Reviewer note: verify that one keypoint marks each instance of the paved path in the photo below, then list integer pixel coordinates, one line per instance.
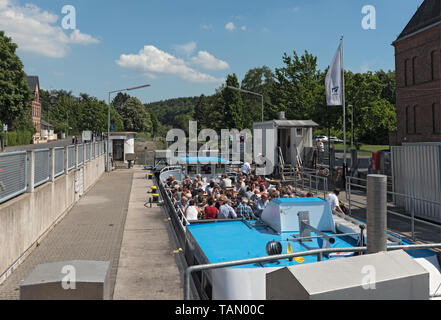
(92, 230)
(147, 269)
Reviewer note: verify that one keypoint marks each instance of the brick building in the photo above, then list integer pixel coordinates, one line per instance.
(34, 85)
(418, 77)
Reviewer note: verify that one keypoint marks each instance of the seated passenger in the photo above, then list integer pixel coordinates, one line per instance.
(244, 210)
(226, 211)
(211, 211)
(192, 213)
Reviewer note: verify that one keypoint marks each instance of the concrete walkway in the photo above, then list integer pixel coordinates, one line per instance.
(147, 269)
(92, 230)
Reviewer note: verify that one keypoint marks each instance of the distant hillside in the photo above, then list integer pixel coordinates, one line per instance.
(170, 112)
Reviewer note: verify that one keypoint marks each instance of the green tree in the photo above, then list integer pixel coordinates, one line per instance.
(258, 80)
(119, 101)
(15, 95)
(135, 116)
(233, 105)
(297, 89)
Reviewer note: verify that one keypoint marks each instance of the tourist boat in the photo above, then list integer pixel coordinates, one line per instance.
(288, 225)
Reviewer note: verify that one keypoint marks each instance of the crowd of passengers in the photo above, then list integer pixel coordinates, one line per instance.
(242, 197)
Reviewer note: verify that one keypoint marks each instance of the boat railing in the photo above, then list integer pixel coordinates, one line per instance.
(317, 252)
(400, 205)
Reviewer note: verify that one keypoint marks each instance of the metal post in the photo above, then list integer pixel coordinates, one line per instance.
(377, 213)
(412, 212)
(350, 203)
(108, 138)
(52, 162)
(31, 171)
(66, 160)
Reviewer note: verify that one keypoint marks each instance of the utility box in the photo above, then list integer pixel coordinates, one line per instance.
(67, 280)
(390, 275)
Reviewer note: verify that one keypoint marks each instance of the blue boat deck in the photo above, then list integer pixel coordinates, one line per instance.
(235, 240)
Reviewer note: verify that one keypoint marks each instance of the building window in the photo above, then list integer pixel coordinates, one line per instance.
(413, 70)
(436, 119)
(406, 67)
(432, 64)
(414, 119)
(407, 120)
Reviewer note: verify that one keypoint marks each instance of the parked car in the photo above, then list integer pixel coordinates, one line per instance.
(335, 140)
(323, 138)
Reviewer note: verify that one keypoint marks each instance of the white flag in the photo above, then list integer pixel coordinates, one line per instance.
(334, 86)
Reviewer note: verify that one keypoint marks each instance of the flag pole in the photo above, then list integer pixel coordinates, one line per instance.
(344, 111)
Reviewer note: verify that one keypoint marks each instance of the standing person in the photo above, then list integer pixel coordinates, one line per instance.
(246, 169)
(333, 201)
(320, 151)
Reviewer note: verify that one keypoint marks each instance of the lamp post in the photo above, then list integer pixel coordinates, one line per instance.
(246, 91)
(108, 122)
(352, 125)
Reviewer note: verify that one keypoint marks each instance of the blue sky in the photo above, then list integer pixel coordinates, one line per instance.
(186, 48)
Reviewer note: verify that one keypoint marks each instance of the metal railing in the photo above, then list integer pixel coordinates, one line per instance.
(87, 152)
(317, 252)
(80, 154)
(311, 182)
(71, 157)
(15, 168)
(392, 196)
(13, 174)
(59, 161)
(42, 166)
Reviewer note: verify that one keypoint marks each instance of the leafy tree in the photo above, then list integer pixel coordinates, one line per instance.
(258, 80)
(135, 116)
(233, 104)
(15, 95)
(119, 101)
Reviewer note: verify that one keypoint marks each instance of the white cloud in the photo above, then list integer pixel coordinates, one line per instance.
(295, 9)
(186, 49)
(243, 28)
(152, 61)
(36, 30)
(80, 38)
(230, 26)
(206, 26)
(209, 62)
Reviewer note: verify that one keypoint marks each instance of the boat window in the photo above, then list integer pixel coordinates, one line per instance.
(206, 169)
(192, 169)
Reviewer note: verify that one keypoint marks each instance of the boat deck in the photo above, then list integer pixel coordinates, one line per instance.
(237, 240)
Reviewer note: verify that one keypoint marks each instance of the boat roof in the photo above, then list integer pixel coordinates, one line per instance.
(203, 160)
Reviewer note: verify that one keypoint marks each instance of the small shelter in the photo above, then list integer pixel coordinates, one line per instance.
(283, 142)
(122, 146)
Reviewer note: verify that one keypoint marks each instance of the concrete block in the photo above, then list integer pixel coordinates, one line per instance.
(390, 275)
(67, 280)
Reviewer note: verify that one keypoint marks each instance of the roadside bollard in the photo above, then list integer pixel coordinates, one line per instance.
(153, 189)
(155, 198)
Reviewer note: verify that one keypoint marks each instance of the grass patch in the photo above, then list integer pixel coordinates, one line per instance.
(364, 147)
